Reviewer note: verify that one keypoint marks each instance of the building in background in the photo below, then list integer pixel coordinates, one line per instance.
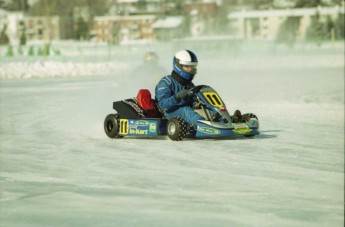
(138, 7)
(166, 20)
(42, 28)
(202, 16)
(121, 29)
(14, 25)
(33, 27)
(266, 24)
(169, 28)
(155, 20)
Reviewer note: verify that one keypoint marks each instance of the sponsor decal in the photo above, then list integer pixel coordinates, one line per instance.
(136, 127)
(141, 123)
(211, 131)
(153, 127)
(241, 128)
(239, 125)
(138, 131)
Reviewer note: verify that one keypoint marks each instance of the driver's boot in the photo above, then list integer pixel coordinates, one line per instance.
(216, 117)
(237, 117)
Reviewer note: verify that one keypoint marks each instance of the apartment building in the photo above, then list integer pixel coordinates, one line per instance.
(265, 24)
(119, 29)
(46, 28)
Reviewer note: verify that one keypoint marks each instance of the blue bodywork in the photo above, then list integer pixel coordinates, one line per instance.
(144, 127)
(238, 130)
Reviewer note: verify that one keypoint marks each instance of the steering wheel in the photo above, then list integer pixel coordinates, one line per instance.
(197, 102)
(196, 89)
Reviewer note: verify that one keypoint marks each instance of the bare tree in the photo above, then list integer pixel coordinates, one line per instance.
(16, 5)
(65, 7)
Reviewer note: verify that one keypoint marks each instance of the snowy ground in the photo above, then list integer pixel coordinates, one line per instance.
(58, 168)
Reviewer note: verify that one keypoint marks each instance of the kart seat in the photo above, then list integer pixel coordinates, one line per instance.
(144, 100)
(146, 103)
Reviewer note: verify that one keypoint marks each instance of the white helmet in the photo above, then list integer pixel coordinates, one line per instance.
(188, 58)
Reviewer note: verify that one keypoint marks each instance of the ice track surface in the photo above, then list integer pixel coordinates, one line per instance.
(58, 168)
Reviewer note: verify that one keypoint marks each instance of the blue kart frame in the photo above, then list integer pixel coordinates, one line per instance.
(207, 103)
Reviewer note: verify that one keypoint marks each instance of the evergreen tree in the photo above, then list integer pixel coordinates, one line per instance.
(339, 27)
(4, 40)
(330, 28)
(315, 3)
(9, 52)
(66, 7)
(308, 3)
(46, 50)
(288, 31)
(82, 31)
(18, 5)
(220, 26)
(178, 8)
(317, 30)
(22, 39)
(257, 4)
(115, 34)
(31, 51)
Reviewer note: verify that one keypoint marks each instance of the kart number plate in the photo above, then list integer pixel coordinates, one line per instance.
(213, 98)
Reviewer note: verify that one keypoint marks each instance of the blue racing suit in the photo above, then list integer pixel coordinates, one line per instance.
(165, 92)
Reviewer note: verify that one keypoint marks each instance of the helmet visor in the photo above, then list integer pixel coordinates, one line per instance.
(192, 69)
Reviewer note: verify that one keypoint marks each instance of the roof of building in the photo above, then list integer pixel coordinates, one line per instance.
(131, 17)
(286, 12)
(168, 22)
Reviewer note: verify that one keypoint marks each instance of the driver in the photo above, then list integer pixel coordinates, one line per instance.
(172, 92)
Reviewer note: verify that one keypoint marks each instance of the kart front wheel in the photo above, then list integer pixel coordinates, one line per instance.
(177, 128)
(111, 126)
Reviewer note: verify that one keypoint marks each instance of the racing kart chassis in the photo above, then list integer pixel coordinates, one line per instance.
(141, 117)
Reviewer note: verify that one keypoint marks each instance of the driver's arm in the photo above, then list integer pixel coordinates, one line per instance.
(165, 97)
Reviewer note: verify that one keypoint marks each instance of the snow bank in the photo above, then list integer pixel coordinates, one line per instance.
(92, 59)
(47, 69)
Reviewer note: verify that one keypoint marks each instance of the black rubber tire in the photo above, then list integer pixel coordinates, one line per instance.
(111, 126)
(177, 129)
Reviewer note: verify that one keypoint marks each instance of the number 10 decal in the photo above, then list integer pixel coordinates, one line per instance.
(213, 99)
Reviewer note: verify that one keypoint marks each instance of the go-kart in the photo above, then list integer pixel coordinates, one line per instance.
(141, 117)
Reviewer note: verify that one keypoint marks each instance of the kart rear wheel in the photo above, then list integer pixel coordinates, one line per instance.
(177, 128)
(111, 126)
